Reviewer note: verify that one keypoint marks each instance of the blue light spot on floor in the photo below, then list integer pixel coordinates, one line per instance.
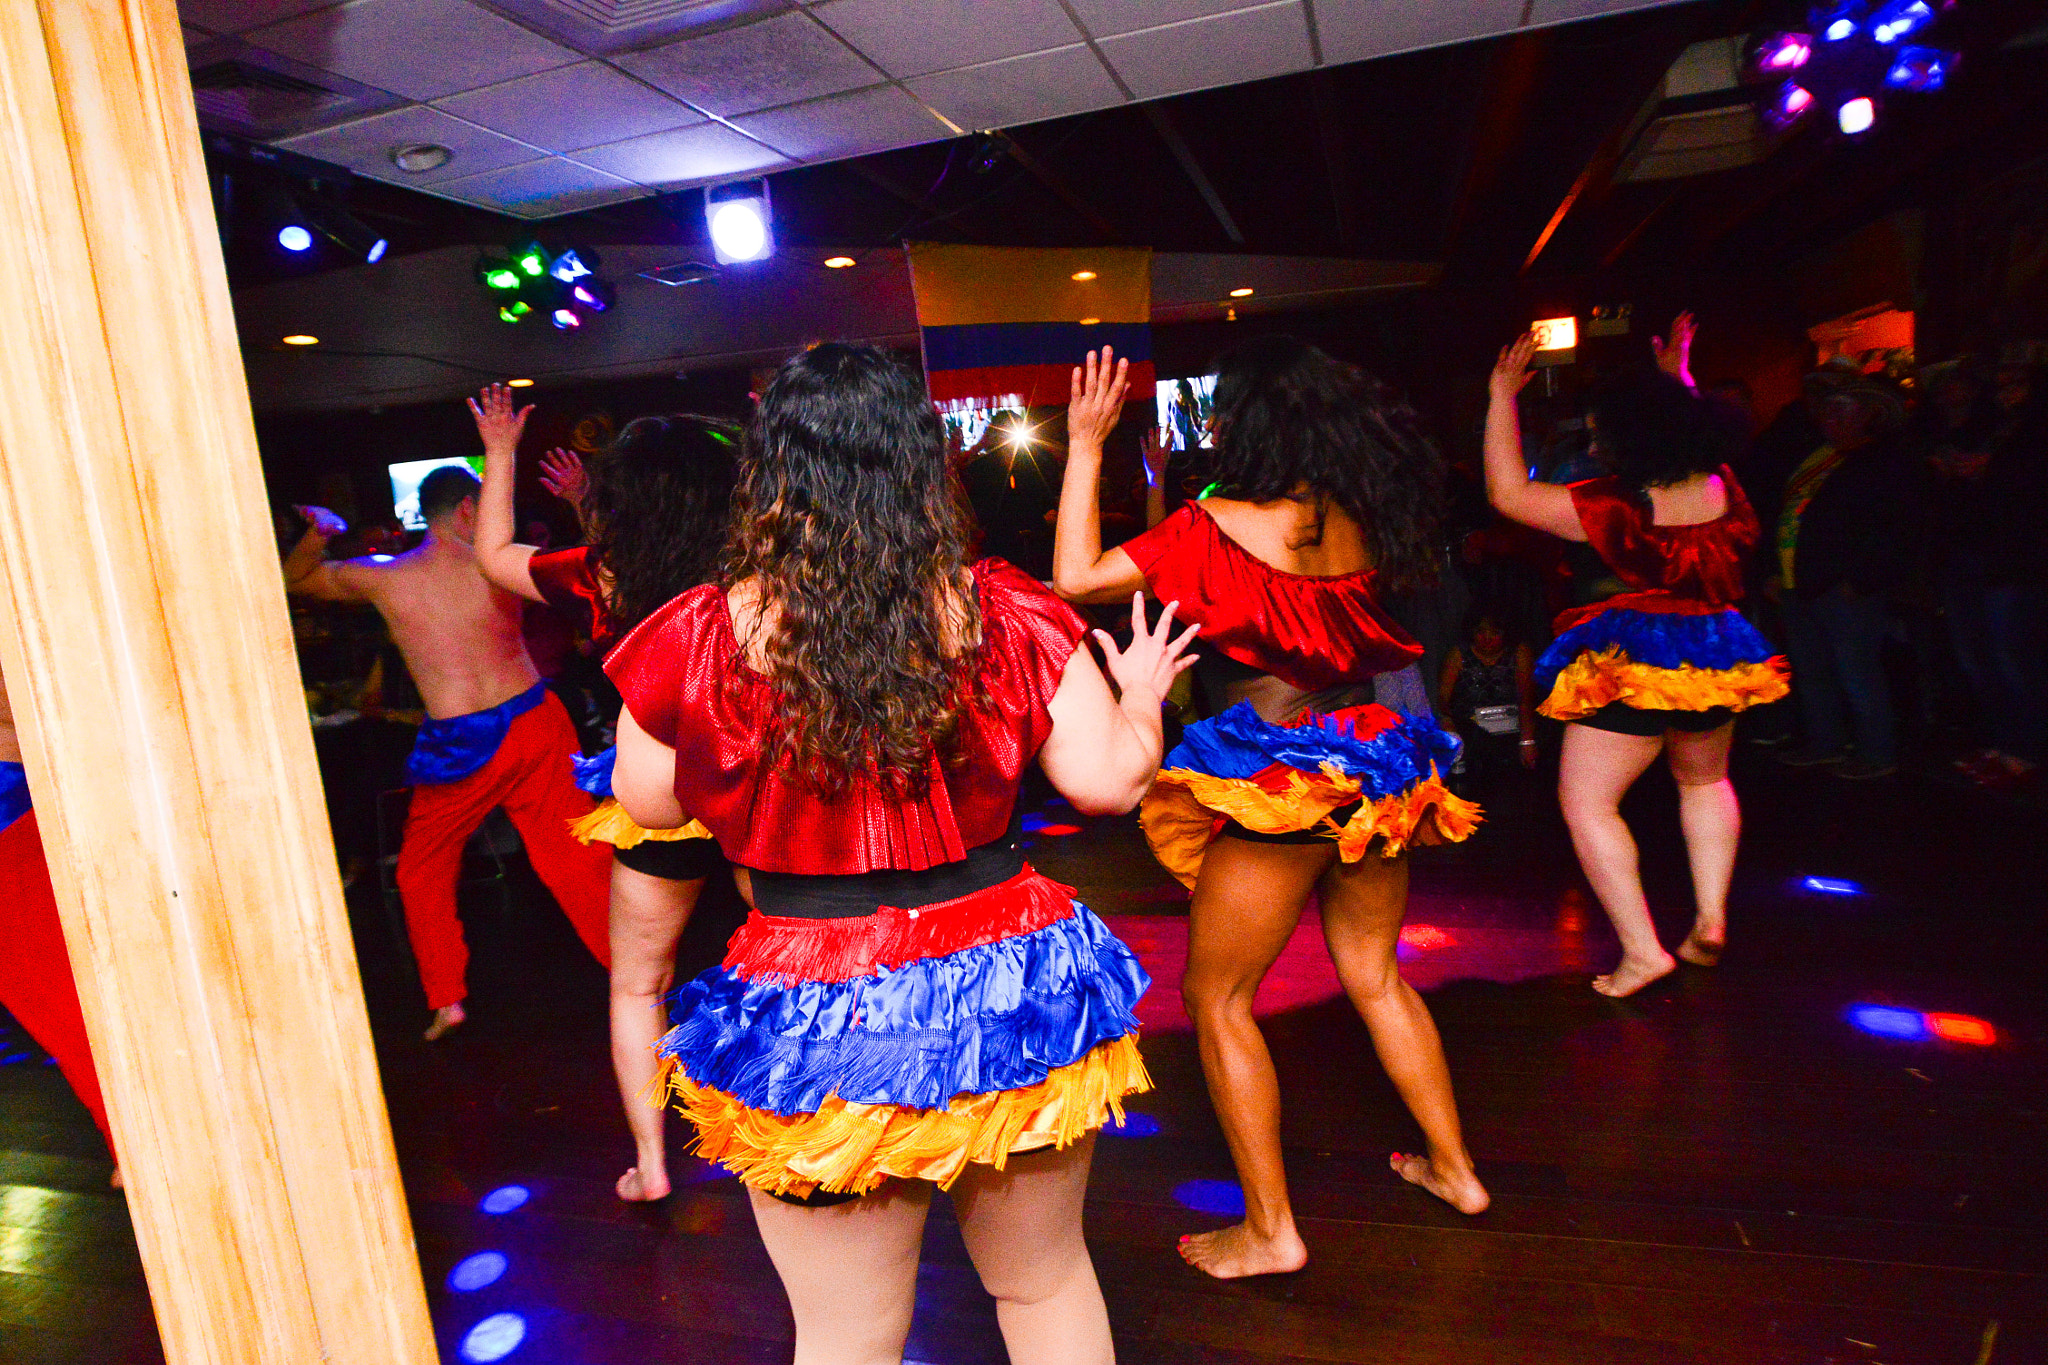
(1831, 886)
(1887, 1022)
(496, 1337)
(1135, 1125)
(1034, 823)
(1224, 1198)
(475, 1272)
(505, 1198)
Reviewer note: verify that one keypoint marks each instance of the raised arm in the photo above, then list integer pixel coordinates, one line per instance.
(1674, 355)
(1081, 572)
(503, 560)
(1156, 457)
(308, 572)
(1104, 750)
(1509, 488)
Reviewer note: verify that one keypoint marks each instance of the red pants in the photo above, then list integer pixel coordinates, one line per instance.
(35, 972)
(531, 778)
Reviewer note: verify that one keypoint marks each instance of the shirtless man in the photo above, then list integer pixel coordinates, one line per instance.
(36, 985)
(495, 736)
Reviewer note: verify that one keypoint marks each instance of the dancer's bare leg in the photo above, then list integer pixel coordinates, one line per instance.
(1712, 820)
(1022, 1226)
(1363, 904)
(647, 917)
(850, 1271)
(1596, 771)
(1247, 901)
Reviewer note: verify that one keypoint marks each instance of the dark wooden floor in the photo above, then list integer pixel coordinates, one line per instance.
(1724, 1172)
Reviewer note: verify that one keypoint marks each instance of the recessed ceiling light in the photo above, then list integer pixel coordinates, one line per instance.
(1084, 275)
(1243, 293)
(420, 157)
(839, 262)
(1089, 322)
(301, 339)
(519, 383)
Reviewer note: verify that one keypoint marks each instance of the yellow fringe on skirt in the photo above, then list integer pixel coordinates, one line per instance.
(609, 824)
(1179, 814)
(1592, 681)
(852, 1148)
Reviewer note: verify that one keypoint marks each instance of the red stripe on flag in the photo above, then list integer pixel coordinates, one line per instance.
(1038, 385)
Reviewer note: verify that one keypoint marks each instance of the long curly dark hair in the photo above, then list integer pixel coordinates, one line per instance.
(659, 499)
(1652, 430)
(850, 519)
(1290, 418)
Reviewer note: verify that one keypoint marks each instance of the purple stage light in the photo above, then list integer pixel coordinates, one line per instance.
(565, 319)
(496, 1337)
(505, 1198)
(1918, 68)
(1831, 886)
(472, 1273)
(1886, 1022)
(1135, 1125)
(1224, 1198)
(1785, 52)
(1789, 105)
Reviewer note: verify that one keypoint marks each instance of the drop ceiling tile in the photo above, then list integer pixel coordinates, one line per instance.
(846, 125)
(238, 16)
(365, 146)
(1106, 18)
(1561, 11)
(916, 37)
(1354, 30)
(1223, 49)
(682, 156)
(1067, 80)
(421, 49)
(541, 189)
(571, 106)
(756, 66)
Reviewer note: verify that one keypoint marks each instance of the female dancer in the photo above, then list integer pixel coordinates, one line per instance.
(910, 1005)
(1326, 490)
(656, 504)
(1663, 666)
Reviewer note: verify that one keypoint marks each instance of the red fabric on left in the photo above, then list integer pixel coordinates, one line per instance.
(36, 984)
(567, 581)
(531, 777)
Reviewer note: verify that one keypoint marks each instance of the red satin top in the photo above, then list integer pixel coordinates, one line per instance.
(686, 684)
(567, 581)
(1700, 563)
(1311, 633)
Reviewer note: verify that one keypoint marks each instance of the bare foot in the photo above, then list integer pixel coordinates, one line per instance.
(1701, 951)
(1631, 977)
(1462, 1192)
(116, 1181)
(637, 1187)
(1236, 1251)
(447, 1019)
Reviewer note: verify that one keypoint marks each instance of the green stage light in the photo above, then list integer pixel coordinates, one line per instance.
(533, 261)
(514, 311)
(501, 279)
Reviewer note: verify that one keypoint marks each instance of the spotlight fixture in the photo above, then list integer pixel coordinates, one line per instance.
(1835, 20)
(294, 238)
(1083, 276)
(596, 295)
(417, 158)
(1857, 115)
(572, 265)
(1900, 19)
(1242, 293)
(327, 217)
(1791, 101)
(741, 222)
(519, 383)
(566, 319)
(514, 311)
(300, 339)
(840, 262)
(531, 260)
(1918, 68)
(1784, 52)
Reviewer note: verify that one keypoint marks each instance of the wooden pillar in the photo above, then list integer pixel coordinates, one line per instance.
(149, 657)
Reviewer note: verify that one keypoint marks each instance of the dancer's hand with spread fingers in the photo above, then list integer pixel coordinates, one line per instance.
(1674, 350)
(504, 561)
(1104, 750)
(1547, 507)
(1081, 572)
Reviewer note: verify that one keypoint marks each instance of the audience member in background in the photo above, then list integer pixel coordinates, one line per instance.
(1325, 490)
(1486, 693)
(494, 735)
(655, 504)
(1844, 541)
(1989, 454)
(1660, 667)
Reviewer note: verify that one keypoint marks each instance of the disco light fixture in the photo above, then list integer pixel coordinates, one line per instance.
(533, 278)
(1848, 55)
(741, 222)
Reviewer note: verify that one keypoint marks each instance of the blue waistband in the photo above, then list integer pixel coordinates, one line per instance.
(594, 772)
(451, 748)
(14, 802)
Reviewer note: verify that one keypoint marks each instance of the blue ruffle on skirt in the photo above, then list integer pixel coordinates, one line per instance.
(594, 773)
(1724, 639)
(1001, 1016)
(14, 798)
(1239, 744)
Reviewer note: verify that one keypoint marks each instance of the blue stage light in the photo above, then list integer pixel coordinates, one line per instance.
(1831, 886)
(569, 267)
(1224, 1198)
(1887, 1022)
(1900, 18)
(292, 237)
(1918, 68)
(496, 1337)
(472, 1273)
(505, 1198)
(1135, 1125)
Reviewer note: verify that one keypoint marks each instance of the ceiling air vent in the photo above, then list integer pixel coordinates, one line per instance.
(257, 101)
(682, 272)
(1696, 143)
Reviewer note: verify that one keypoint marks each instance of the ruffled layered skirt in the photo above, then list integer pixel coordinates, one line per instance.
(609, 823)
(834, 1054)
(1358, 776)
(1657, 654)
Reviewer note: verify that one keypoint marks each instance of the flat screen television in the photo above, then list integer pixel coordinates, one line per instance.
(1184, 408)
(405, 485)
(972, 424)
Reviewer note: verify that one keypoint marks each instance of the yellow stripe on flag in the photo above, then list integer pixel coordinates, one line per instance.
(967, 285)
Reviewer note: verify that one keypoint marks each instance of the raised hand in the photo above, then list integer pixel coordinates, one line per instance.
(1511, 370)
(1155, 657)
(1097, 398)
(1674, 356)
(562, 474)
(1156, 456)
(498, 421)
(327, 525)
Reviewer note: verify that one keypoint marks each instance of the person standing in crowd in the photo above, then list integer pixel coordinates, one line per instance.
(1660, 667)
(911, 1005)
(1325, 490)
(655, 504)
(1486, 694)
(494, 736)
(1844, 541)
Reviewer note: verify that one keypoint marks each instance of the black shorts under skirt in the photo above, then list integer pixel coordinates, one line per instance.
(1619, 718)
(675, 860)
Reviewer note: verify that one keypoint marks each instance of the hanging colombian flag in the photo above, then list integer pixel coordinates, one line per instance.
(1005, 326)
